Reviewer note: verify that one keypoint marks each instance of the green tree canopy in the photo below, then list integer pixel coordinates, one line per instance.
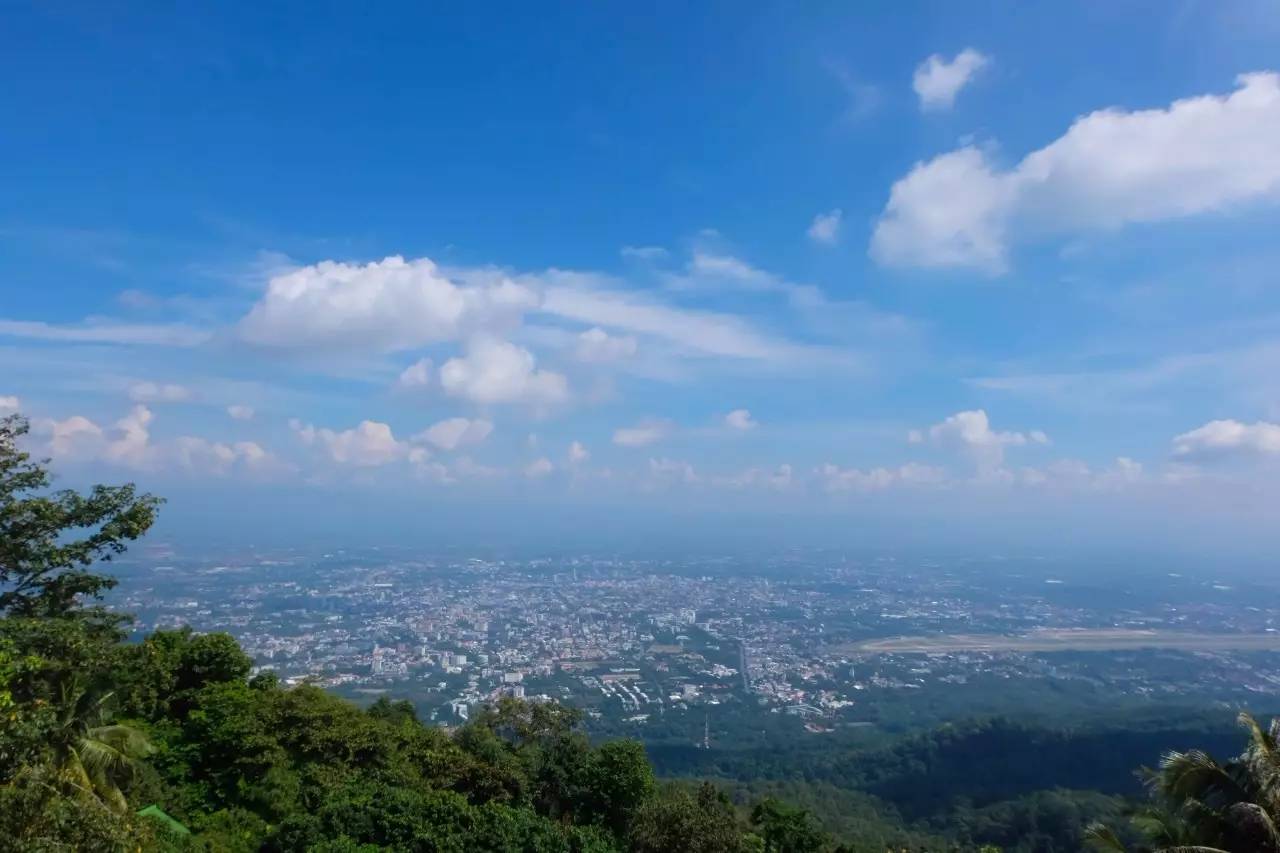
(50, 540)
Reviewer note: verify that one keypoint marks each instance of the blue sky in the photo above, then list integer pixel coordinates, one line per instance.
(990, 269)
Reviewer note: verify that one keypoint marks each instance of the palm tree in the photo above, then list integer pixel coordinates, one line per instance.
(1203, 806)
(90, 755)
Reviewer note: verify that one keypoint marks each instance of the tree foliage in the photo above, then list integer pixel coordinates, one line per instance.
(50, 541)
(1200, 804)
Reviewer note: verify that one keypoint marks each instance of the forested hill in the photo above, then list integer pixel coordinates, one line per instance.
(975, 761)
(167, 745)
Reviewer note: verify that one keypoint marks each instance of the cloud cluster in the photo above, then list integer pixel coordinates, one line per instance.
(825, 228)
(416, 375)
(937, 81)
(837, 479)
(384, 306)
(497, 371)
(971, 432)
(1223, 438)
(596, 346)
(642, 434)
(368, 445)
(129, 443)
(454, 433)
(1111, 168)
(151, 392)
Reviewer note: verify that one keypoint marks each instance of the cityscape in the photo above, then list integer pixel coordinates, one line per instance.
(671, 648)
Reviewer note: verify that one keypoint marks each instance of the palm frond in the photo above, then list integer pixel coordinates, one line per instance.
(124, 739)
(101, 758)
(1260, 739)
(1196, 775)
(1102, 837)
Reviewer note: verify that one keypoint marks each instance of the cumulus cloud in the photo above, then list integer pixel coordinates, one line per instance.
(497, 371)
(971, 432)
(151, 392)
(578, 453)
(1223, 438)
(385, 306)
(596, 346)
(240, 412)
(780, 478)
(938, 81)
(825, 228)
(213, 457)
(129, 444)
(671, 471)
(837, 479)
(1111, 168)
(1074, 474)
(453, 433)
(368, 445)
(538, 468)
(740, 419)
(75, 437)
(133, 436)
(416, 375)
(642, 434)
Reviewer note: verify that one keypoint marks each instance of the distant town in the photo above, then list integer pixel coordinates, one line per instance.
(680, 646)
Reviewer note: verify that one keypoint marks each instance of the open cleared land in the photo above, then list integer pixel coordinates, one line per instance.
(1063, 640)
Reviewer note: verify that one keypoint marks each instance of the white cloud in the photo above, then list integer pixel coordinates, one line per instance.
(739, 419)
(1077, 475)
(1111, 168)
(416, 375)
(386, 306)
(578, 453)
(151, 392)
(212, 457)
(949, 212)
(129, 444)
(75, 437)
(1229, 438)
(595, 345)
(133, 437)
(107, 332)
(672, 471)
(971, 431)
(497, 371)
(240, 412)
(937, 81)
(456, 432)
(642, 434)
(698, 331)
(837, 479)
(368, 445)
(825, 228)
(538, 468)
(779, 478)
(9, 404)
(644, 253)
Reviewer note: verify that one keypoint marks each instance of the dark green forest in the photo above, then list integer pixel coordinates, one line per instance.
(109, 743)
